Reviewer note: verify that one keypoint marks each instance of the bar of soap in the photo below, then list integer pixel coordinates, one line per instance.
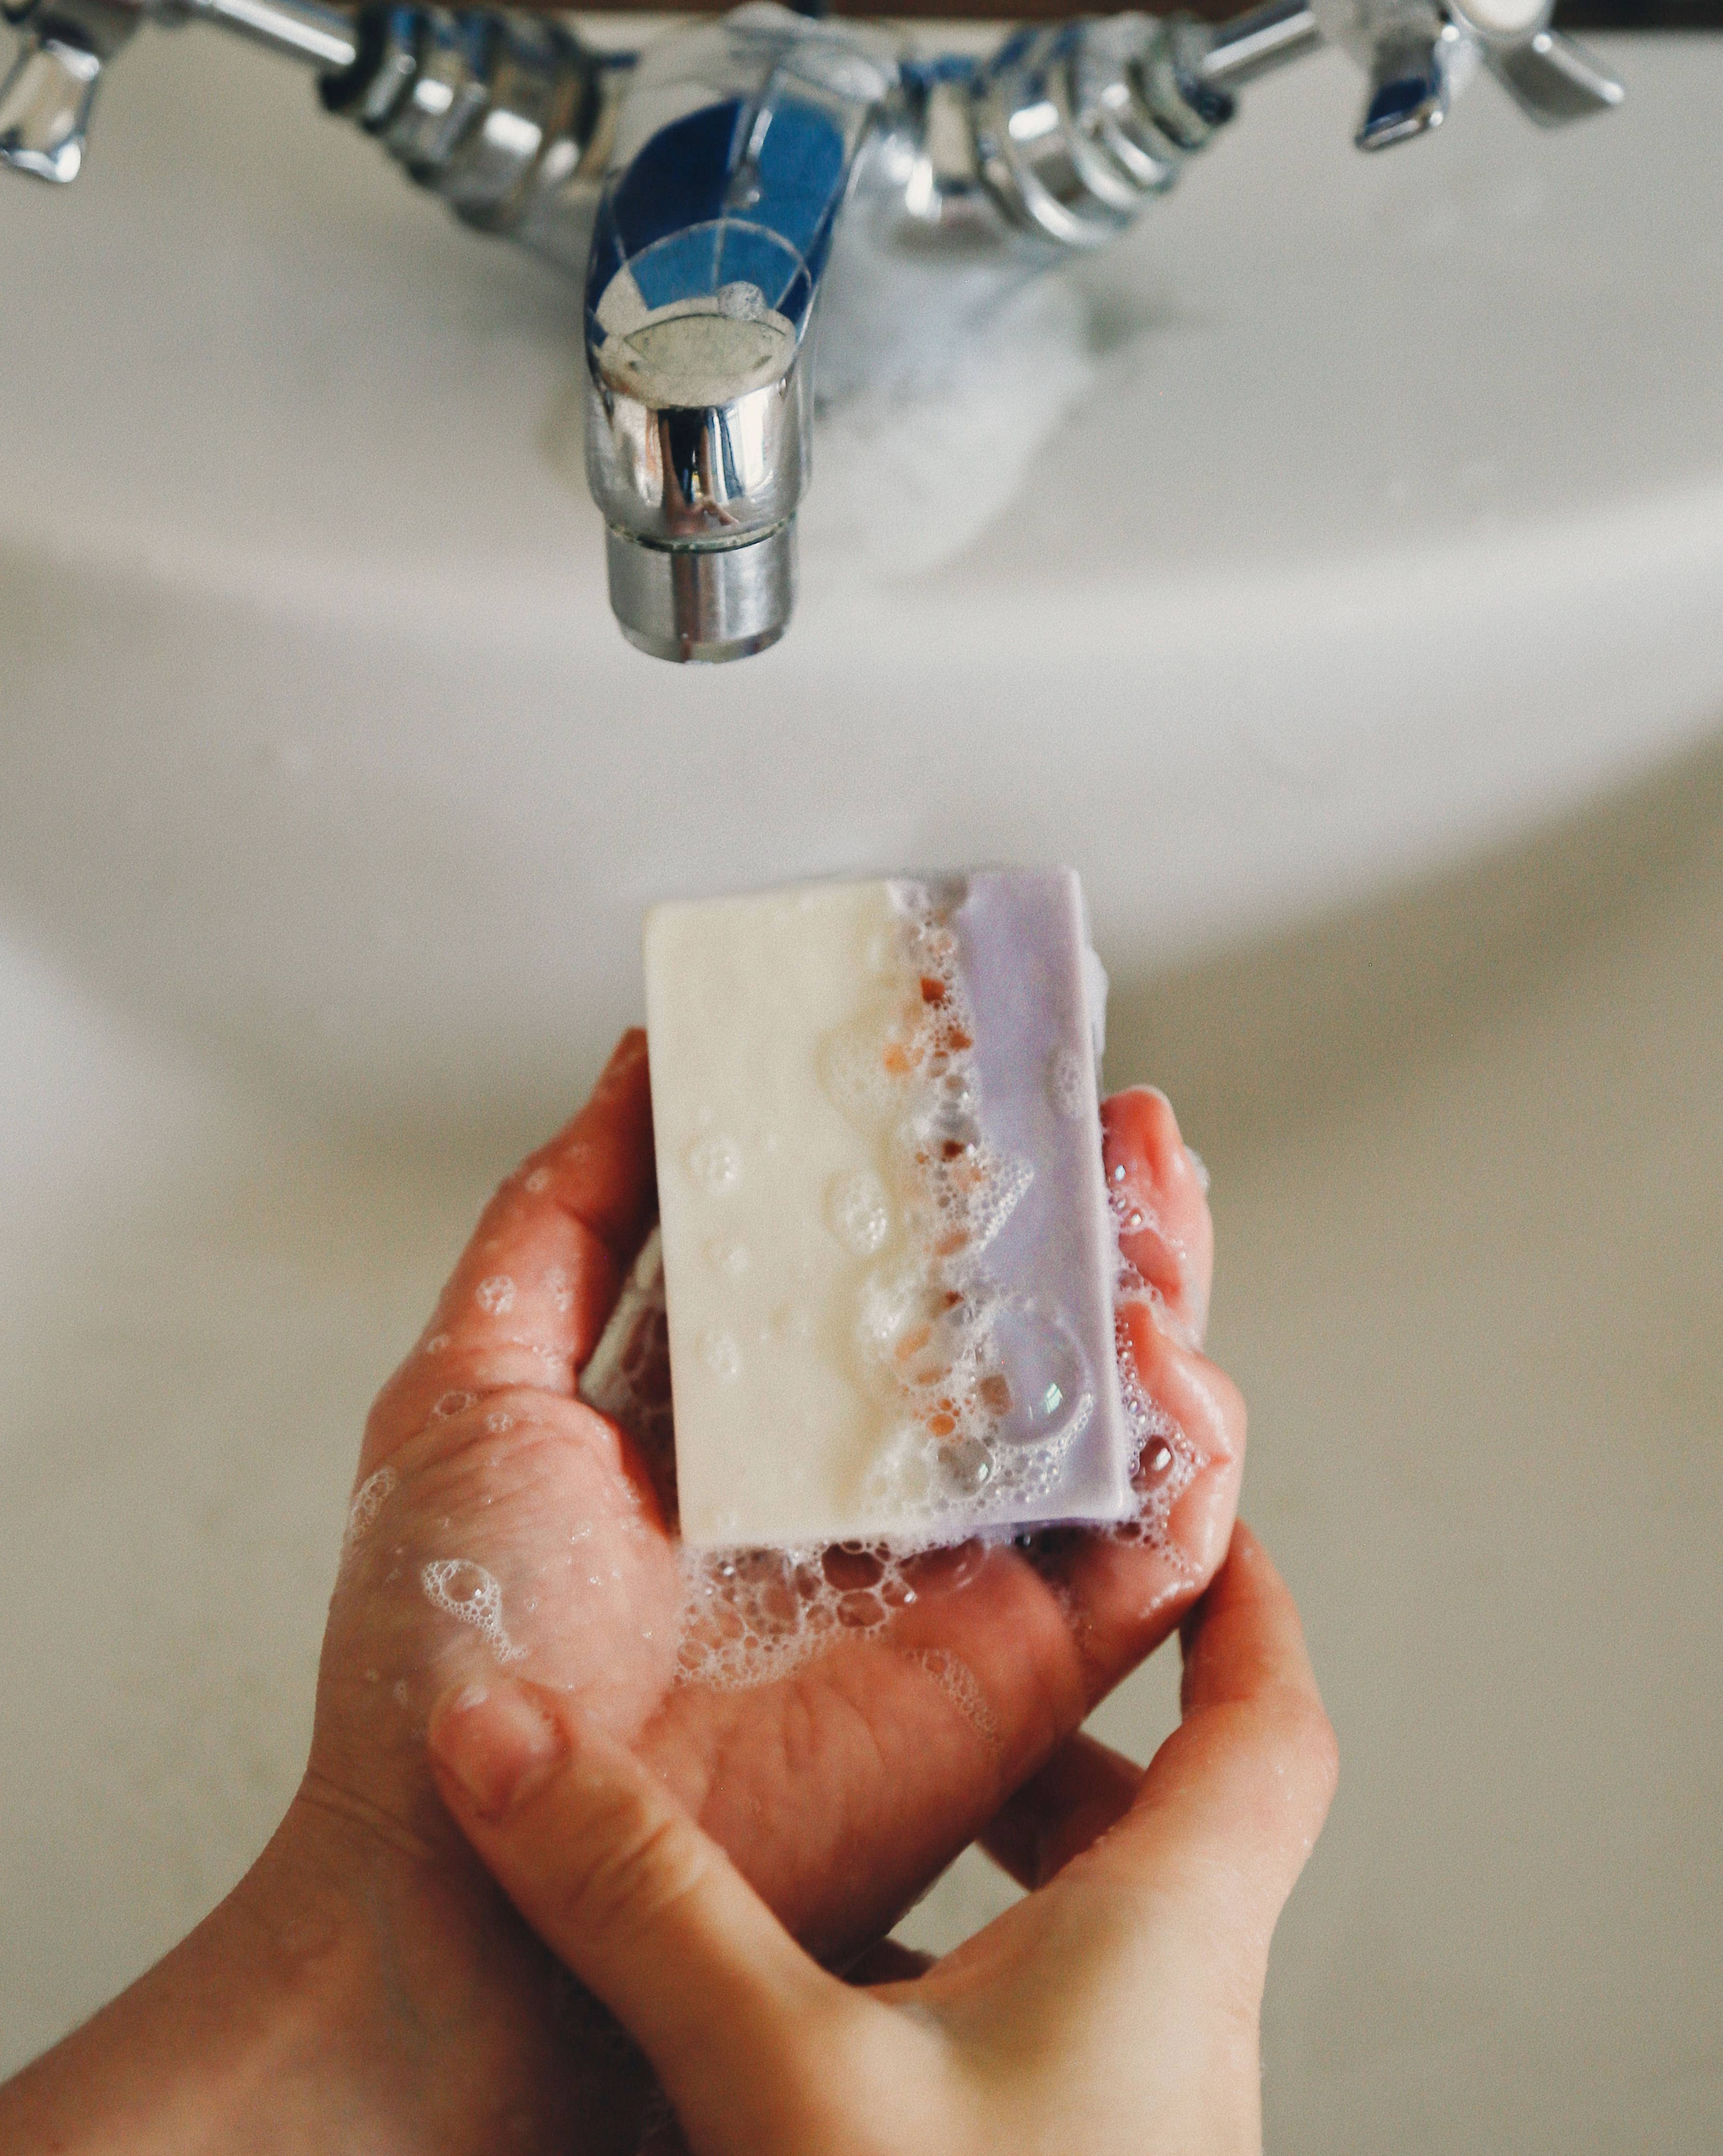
(888, 1257)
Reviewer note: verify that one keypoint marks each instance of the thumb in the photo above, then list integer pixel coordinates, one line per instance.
(646, 1911)
(1234, 1800)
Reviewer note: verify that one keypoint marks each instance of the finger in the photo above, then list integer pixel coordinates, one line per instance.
(1126, 1592)
(993, 1662)
(530, 1294)
(1232, 1802)
(646, 1909)
(1159, 1194)
(887, 1961)
(1085, 1789)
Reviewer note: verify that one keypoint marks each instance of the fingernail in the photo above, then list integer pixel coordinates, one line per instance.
(497, 1742)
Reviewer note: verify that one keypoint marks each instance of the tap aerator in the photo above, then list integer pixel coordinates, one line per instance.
(697, 189)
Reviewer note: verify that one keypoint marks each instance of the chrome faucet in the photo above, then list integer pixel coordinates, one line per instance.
(704, 189)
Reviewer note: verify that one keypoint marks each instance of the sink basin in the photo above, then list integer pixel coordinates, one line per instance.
(1352, 512)
(1350, 516)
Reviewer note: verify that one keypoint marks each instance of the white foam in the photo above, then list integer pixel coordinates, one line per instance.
(467, 1591)
(721, 1355)
(1066, 1085)
(751, 1616)
(857, 1212)
(495, 1296)
(984, 1393)
(368, 1501)
(715, 1164)
(961, 1686)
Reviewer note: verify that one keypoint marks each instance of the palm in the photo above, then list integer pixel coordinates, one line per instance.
(506, 1522)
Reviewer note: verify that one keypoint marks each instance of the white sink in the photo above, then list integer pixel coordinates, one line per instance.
(1353, 512)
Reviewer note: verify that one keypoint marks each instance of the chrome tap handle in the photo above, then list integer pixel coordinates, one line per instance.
(1418, 55)
(1409, 79)
(1549, 76)
(45, 102)
(499, 113)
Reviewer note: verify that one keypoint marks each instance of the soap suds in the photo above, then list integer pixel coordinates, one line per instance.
(751, 1617)
(1067, 1086)
(720, 1354)
(983, 1391)
(368, 1501)
(960, 1685)
(716, 1164)
(467, 1591)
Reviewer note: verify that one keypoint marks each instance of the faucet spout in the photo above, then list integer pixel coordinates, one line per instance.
(698, 187)
(733, 154)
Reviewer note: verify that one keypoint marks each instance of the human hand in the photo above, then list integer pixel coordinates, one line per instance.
(499, 1522)
(1115, 2009)
(844, 1787)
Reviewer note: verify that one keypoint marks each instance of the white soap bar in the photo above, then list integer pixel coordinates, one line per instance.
(889, 1256)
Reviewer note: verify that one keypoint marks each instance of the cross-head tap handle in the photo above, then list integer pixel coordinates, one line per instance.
(1418, 55)
(45, 102)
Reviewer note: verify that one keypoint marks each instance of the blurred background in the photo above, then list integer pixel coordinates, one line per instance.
(1330, 572)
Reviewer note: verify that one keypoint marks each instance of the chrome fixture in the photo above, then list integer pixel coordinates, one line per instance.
(703, 188)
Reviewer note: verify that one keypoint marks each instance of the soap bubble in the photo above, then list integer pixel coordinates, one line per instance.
(368, 1501)
(1051, 1397)
(856, 1211)
(719, 1351)
(467, 1591)
(1066, 1087)
(714, 1162)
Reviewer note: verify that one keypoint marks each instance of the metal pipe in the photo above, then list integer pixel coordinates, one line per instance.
(1250, 45)
(327, 38)
(322, 38)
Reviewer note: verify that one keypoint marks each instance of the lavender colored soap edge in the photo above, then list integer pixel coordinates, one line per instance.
(1037, 995)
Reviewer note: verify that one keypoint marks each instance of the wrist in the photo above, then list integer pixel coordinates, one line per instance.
(353, 1991)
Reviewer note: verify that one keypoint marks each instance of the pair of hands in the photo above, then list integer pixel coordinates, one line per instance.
(511, 1586)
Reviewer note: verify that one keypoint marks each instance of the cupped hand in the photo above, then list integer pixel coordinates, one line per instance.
(1114, 2010)
(500, 1528)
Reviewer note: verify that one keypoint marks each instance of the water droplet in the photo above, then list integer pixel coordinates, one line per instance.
(856, 1211)
(715, 1164)
(1051, 1400)
(718, 1352)
(727, 1257)
(1065, 1084)
(967, 1466)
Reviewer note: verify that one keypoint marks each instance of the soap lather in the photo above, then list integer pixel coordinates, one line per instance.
(888, 1255)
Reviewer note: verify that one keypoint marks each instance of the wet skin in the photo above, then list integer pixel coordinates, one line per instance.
(427, 2014)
